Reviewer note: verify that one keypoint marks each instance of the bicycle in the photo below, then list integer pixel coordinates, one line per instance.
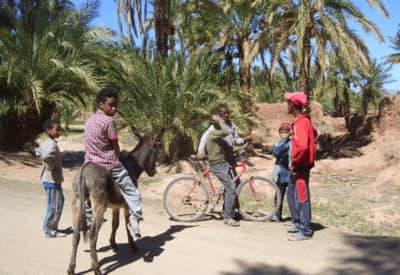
(187, 198)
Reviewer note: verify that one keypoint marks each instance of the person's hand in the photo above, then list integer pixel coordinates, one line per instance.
(201, 155)
(239, 141)
(217, 118)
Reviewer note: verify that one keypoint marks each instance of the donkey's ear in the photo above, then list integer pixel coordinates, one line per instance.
(159, 136)
(136, 132)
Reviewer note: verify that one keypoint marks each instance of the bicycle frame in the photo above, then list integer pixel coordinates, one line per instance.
(240, 164)
(256, 195)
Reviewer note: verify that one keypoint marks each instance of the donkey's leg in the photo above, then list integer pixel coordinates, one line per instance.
(76, 216)
(115, 224)
(131, 242)
(99, 206)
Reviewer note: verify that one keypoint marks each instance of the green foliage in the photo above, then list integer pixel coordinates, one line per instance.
(176, 95)
(48, 54)
(69, 113)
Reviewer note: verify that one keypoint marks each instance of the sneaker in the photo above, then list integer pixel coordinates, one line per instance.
(231, 222)
(51, 234)
(292, 229)
(134, 229)
(275, 218)
(299, 237)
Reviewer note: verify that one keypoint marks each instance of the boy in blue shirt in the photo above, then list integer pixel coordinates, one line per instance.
(281, 174)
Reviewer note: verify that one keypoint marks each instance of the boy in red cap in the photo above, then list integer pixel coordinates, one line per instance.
(302, 160)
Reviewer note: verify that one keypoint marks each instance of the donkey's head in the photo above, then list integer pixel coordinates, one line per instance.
(145, 153)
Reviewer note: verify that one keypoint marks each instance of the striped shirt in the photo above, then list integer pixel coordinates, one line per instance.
(100, 130)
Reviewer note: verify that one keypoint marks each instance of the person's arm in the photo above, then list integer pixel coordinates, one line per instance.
(300, 143)
(278, 148)
(201, 150)
(218, 133)
(112, 136)
(48, 154)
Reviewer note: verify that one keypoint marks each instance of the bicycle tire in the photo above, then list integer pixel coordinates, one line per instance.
(260, 202)
(186, 199)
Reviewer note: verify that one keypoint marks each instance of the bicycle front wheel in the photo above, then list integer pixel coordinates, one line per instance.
(185, 199)
(258, 199)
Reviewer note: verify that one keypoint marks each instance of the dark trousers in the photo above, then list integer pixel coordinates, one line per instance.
(303, 202)
(291, 199)
(282, 188)
(221, 171)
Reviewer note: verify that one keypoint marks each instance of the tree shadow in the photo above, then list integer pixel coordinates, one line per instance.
(344, 146)
(372, 255)
(24, 158)
(259, 269)
(377, 255)
(149, 248)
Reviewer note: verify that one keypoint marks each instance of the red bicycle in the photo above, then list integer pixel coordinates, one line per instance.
(187, 198)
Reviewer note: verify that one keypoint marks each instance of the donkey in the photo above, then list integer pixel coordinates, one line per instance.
(94, 182)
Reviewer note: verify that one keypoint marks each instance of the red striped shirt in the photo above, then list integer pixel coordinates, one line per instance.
(100, 130)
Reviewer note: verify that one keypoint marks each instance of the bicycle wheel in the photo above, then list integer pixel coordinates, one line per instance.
(185, 199)
(258, 199)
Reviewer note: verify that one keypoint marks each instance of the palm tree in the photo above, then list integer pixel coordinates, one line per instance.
(135, 14)
(395, 57)
(315, 26)
(176, 95)
(50, 54)
(372, 85)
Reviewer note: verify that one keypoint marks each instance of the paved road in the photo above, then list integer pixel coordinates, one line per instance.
(207, 247)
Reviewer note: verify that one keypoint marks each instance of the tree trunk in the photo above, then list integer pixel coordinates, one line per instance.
(366, 95)
(305, 64)
(228, 71)
(346, 103)
(245, 79)
(161, 28)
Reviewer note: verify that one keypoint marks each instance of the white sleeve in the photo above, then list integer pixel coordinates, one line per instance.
(203, 141)
(237, 140)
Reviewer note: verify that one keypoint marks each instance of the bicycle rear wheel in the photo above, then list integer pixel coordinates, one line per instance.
(185, 199)
(258, 199)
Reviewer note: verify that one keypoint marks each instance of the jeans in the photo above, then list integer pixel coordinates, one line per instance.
(303, 202)
(291, 199)
(55, 204)
(129, 191)
(221, 171)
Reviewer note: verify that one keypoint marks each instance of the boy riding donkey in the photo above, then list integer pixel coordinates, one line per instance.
(102, 148)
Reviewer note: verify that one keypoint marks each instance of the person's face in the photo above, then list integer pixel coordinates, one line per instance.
(290, 107)
(109, 106)
(284, 133)
(55, 131)
(224, 113)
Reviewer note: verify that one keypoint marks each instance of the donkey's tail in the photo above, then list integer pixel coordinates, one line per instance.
(81, 190)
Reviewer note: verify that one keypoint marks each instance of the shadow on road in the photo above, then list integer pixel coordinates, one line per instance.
(149, 248)
(373, 255)
(377, 255)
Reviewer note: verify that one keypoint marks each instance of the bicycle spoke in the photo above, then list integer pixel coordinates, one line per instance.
(257, 198)
(185, 199)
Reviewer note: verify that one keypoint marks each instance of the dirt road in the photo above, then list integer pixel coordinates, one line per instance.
(206, 247)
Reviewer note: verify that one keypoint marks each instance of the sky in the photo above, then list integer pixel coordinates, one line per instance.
(379, 50)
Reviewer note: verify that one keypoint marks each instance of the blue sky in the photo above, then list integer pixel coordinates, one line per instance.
(387, 26)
